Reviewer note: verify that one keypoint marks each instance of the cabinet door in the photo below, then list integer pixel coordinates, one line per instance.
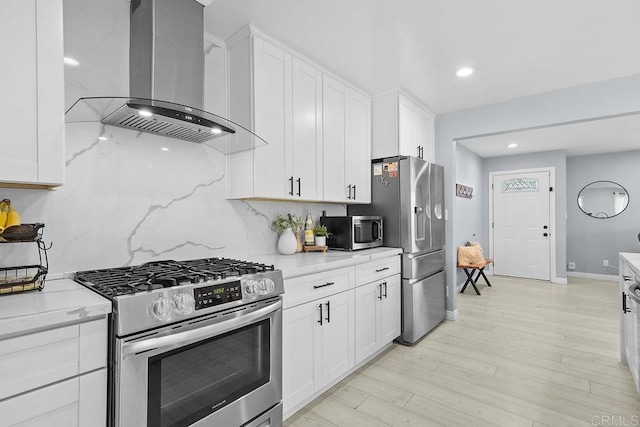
(337, 336)
(32, 87)
(272, 117)
(425, 137)
(407, 127)
(358, 148)
(367, 299)
(300, 357)
(334, 115)
(304, 155)
(78, 402)
(390, 311)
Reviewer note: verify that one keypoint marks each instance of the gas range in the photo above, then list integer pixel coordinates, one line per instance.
(158, 293)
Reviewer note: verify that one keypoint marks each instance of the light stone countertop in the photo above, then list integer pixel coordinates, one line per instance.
(633, 259)
(61, 302)
(301, 264)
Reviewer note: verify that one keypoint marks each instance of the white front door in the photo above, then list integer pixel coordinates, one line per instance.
(521, 225)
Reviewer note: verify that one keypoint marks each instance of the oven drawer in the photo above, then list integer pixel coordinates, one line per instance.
(375, 270)
(320, 285)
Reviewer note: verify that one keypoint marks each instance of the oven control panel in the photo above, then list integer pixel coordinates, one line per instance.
(208, 296)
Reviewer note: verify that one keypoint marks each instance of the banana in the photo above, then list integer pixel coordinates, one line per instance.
(4, 213)
(13, 217)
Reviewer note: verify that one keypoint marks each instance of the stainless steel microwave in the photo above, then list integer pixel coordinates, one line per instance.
(351, 232)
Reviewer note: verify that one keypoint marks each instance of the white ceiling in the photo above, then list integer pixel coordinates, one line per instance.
(520, 47)
(578, 139)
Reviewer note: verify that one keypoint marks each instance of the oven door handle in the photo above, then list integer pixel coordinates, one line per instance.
(183, 338)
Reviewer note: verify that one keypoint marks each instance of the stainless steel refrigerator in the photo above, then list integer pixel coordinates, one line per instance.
(408, 193)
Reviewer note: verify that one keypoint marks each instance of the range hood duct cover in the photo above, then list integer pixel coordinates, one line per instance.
(166, 81)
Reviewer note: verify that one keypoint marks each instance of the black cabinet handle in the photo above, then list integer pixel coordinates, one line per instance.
(545, 234)
(354, 192)
(624, 303)
(349, 189)
(320, 321)
(626, 277)
(291, 182)
(328, 312)
(382, 269)
(379, 291)
(322, 286)
(545, 227)
(385, 289)
(419, 152)
(299, 186)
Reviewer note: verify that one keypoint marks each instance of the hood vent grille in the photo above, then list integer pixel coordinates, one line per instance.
(166, 119)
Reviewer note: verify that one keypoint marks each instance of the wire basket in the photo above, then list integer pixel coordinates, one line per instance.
(22, 279)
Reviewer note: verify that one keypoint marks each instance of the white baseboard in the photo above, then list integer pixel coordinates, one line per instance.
(607, 277)
(452, 315)
(560, 280)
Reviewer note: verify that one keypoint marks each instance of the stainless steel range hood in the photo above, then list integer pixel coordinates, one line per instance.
(166, 81)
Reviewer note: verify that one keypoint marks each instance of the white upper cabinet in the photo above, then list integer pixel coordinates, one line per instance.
(401, 126)
(317, 127)
(304, 151)
(347, 140)
(32, 87)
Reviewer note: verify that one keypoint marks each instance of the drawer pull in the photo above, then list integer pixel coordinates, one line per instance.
(382, 269)
(322, 286)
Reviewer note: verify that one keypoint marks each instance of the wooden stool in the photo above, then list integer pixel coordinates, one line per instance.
(469, 270)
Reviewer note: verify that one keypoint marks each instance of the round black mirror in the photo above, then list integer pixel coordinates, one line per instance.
(603, 199)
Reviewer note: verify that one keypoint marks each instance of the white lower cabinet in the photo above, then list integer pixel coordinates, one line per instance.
(78, 402)
(377, 314)
(629, 319)
(317, 345)
(330, 326)
(56, 377)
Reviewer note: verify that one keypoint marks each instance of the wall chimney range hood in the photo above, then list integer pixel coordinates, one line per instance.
(166, 81)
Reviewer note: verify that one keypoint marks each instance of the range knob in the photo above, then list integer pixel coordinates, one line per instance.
(184, 303)
(162, 308)
(251, 287)
(265, 286)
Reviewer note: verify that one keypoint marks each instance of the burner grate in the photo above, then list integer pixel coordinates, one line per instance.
(114, 282)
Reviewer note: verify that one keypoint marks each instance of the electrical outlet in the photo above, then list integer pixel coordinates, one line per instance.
(605, 263)
(571, 265)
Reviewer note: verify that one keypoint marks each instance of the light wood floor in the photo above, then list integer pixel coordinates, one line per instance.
(525, 353)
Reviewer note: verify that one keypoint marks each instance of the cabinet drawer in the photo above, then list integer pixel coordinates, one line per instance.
(378, 269)
(35, 360)
(80, 401)
(320, 285)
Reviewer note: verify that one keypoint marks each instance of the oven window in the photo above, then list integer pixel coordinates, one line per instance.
(187, 384)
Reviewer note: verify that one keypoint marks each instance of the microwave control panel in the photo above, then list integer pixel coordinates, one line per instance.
(208, 296)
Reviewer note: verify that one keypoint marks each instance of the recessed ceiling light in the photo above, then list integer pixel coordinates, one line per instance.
(103, 138)
(164, 149)
(465, 71)
(145, 113)
(71, 61)
(512, 145)
(216, 130)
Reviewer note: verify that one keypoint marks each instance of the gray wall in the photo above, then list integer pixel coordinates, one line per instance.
(592, 240)
(468, 211)
(602, 99)
(555, 159)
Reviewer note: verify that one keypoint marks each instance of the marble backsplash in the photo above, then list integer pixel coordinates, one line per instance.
(138, 197)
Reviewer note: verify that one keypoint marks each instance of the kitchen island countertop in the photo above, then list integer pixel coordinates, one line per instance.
(302, 263)
(61, 302)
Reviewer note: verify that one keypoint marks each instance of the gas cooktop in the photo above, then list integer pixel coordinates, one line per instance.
(161, 292)
(114, 282)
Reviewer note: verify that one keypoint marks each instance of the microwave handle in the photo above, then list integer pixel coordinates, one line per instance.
(200, 333)
(376, 231)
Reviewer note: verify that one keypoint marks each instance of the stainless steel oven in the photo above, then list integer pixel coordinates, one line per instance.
(194, 343)
(210, 371)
